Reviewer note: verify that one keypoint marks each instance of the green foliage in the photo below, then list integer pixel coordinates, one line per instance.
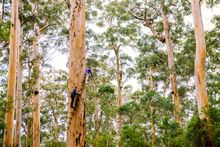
(105, 139)
(107, 89)
(198, 133)
(4, 30)
(57, 144)
(133, 136)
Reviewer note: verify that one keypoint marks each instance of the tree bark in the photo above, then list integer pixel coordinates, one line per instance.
(36, 98)
(169, 45)
(29, 135)
(76, 131)
(200, 83)
(56, 129)
(17, 138)
(119, 98)
(9, 115)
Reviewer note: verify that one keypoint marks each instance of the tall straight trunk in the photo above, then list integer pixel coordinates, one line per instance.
(153, 138)
(9, 115)
(96, 118)
(119, 98)
(17, 138)
(200, 83)
(56, 128)
(76, 131)
(169, 45)
(3, 9)
(36, 98)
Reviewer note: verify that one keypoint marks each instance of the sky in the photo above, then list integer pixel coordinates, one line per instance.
(60, 61)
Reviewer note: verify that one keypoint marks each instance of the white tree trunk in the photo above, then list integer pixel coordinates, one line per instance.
(119, 98)
(200, 83)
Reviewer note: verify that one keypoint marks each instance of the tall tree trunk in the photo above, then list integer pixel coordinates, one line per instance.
(76, 131)
(119, 98)
(3, 9)
(200, 83)
(36, 98)
(56, 129)
(169, 45)
(17, 138)
(9, 115)
(153, 138)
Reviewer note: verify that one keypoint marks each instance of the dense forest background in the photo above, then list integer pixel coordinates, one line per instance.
(143, 55)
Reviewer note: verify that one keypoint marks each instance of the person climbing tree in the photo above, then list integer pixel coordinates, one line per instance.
(74, 97)
(88, 71)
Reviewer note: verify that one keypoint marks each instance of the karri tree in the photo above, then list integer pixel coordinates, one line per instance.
(76, 131)
(200, 59)
(9, 116)
(17, 137)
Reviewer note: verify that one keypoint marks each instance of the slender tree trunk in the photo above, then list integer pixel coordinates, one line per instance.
(200, 83)
(76, 131)
(3, 9)
(29, 123)
(9, 115)
(153, 138)
(173, 81)
(56, 128)
(97, 101)
(29, 135)
(36, 98)
(17, 138)
(119, 98)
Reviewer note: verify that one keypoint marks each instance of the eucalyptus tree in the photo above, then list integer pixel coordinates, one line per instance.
(53, 107)
(166, 25)
(76, 127)
(118, 35)
(100, 98)
(4, 59)
(17, 137)
(9, 115)
(37, 18)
